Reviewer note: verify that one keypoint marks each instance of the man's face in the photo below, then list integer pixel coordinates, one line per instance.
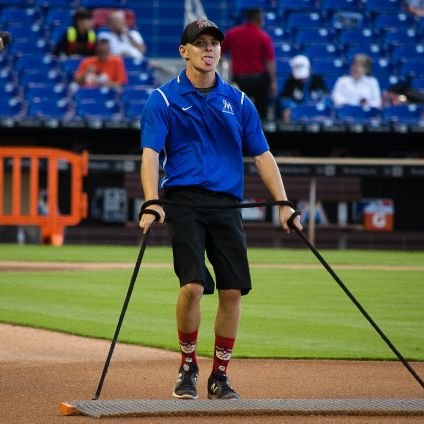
(103, 48)
(84, 25)
(203, 53)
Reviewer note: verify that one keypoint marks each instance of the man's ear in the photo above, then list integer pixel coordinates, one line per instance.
(183, 52)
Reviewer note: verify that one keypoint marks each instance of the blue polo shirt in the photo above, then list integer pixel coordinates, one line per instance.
(202, 139)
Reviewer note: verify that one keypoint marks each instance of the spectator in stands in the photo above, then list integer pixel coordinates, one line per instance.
(5, 39)
(80, 38)
(103, 69)
(123, 41)
(252, 60)
(416, 7)
(359, 88)
(301, 87)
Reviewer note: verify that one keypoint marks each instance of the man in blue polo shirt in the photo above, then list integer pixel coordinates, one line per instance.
(198, 128)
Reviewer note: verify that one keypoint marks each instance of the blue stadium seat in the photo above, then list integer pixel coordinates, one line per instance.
(357, 114)
(134, 108)
(48, 108)
(69, 66)
(374, 51)
(23, 17)
(43, 92)
(301, 19)
(307, 114)
(36, 77)
(135, 93)
(279, 35)
(402, 53)
(401, 37)
(109, 109)
(289, 5)
(50, 4)
(329, 51)
(314, 36)
(86, 95)
(404, 114)
(15, 3)
(382, 6)
(58, 17)
(27, 46)
(354, 36)
(418, 84)
(39, 63)
(8, 89)
(328, 67)
(10, 107)
(413, 68)
(140, 78)
(392, 21)
(328, 6)
(102, 3)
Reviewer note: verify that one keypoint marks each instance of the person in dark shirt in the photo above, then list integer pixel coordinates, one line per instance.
(252, 60)
(80, 38)
(301, 87)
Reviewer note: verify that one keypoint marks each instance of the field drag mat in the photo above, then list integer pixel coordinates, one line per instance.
(146, 408)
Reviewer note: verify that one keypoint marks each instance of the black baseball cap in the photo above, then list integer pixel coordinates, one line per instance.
(195, 28)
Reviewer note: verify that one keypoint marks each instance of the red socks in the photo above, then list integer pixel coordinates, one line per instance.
(223, 350)
(188, 347)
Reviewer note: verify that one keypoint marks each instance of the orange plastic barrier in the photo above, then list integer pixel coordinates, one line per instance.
(25, 210)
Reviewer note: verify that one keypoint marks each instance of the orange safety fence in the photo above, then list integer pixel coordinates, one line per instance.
(21, 188)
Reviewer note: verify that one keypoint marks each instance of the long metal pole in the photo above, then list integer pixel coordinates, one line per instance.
(144, 239)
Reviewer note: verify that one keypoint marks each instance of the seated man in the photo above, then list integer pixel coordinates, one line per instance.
(103, 69)
(301, 87)
(123, 41)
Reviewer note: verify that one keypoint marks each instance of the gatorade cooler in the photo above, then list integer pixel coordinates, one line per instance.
(378, 215)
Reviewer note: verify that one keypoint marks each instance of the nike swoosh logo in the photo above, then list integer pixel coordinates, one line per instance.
(187, 108)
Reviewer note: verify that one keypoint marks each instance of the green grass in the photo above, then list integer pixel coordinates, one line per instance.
(289, 314)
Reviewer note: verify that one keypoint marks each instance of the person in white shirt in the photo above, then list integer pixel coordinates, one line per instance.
(123, 41)
(359, 88)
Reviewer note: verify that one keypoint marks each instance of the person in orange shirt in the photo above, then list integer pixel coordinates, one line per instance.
(103, 69)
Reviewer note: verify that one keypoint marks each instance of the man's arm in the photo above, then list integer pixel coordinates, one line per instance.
(150, 182)
(270, 175)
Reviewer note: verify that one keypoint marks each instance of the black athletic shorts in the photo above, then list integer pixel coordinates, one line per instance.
(218, 232)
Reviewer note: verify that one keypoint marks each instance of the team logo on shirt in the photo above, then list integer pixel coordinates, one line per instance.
(226, 107)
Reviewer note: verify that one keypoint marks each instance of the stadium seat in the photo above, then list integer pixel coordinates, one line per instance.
(357, 114)
(401, 37)
(329, 6)
(382, 6)
(134, 108)
(10, 107)
(43, 92)
(86, 95)
(404, 53)
(135, 92)
(58, 17)
(306, 114)
(48, 108)
(326, 67)
(392, 21)
(22, 17)
(374, 51)
(106, 110)
(8, 89)
(404, 114)
(329, 51)
(296, 20)
(38, 63)
(53, 76)
(69, 66)
(314, 36)
(93, 4)
(350, 37)
(413, 68)
(285, 6)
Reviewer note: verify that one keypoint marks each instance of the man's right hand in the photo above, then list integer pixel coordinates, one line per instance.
(148, 219)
